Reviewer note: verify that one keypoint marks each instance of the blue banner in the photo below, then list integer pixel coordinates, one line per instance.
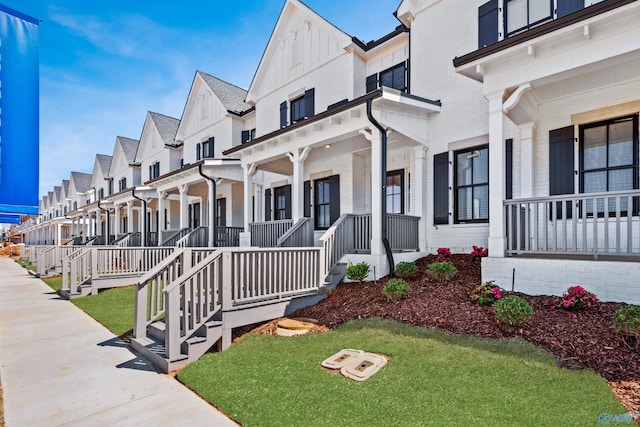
(9, 219)
(19, 112)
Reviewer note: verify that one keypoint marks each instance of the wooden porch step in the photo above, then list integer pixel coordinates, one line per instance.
(156, 352)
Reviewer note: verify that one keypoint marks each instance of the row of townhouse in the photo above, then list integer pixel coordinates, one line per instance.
(507, 124)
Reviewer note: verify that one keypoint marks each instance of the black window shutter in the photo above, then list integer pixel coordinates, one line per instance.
(245, 136)
(309, 102)
(334, 198)
(307, 199)
(561, 165)
(488, 23)
(287, 201)
(222, 208)
(210, 150)
(267, 204)
(509, 168)
(283, 114)
(198, 150)
(441, 188)
(150, 172)
(565, 7)
(372, 83)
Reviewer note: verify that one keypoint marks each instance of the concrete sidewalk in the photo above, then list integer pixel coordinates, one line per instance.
(58, 366)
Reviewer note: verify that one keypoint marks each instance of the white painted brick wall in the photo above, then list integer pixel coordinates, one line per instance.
(608, 280)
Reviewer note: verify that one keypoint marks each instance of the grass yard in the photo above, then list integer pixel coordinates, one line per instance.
(54, 282)
(114, 308)
(25, 263)
(432, 378)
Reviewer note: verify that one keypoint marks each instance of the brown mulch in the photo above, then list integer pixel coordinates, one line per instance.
(584, 339)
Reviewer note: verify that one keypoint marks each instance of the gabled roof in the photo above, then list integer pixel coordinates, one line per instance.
(129, 148)
(231, 96)
(65, 186)
(81, 181)
(167, 127)
(56, 191)
(105, 163)
(278, 34)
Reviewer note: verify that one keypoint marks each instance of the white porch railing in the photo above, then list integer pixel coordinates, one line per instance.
(31, 252)
(266, 234)
(300, 235)
(109, 262)
(584, 224)
(51, 258)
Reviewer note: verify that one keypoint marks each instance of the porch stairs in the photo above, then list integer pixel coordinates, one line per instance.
(191, 302)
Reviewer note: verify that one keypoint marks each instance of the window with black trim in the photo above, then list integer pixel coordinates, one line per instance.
(208, 149)
(279, 203)
(609, 159)
(472, 185)
(297, 109)
(154, 170)
(101, 194)
(522, 15)
(122, 184)
(395, 191)
(394, 77)
(326, 206)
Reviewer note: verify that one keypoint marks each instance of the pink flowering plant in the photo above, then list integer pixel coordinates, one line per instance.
(487, 293)
(444, 254)
(575, 298)
(478, 252)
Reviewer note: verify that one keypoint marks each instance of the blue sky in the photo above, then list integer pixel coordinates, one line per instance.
(103, 67)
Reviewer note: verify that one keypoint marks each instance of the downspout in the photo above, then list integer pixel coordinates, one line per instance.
(144, 216)
(383, 166)
(108, 219)
(212, 205)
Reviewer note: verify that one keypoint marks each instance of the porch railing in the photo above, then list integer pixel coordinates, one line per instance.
(300, 235)
(402, 232)
(198, 238)
(266, 234)
(173, 239)
(51, 258)
(228, 237)
(584, 224)
(31, 252)
(122, 240)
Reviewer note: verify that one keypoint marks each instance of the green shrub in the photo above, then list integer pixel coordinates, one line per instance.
(396, 289)
(487, 293)
(358, 271)
(405, 269)
(512, 310)
(626, 321)
(442, 271)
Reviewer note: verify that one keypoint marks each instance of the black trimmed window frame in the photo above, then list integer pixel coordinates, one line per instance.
(279, 203)
(612, 163)
(478, 186)
(322, 204)
(395, 77)
(154, 170)
(531, 22)
(122, 184)
(297, 110)
(395, 191)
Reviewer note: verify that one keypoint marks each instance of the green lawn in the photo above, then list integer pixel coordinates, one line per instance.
(25, 263)
(54, 282)
(432, 378)
(114, 308)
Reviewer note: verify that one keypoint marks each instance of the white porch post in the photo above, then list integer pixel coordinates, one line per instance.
(184, 214)
(84, 227)
(259, 198)
(162, 225)
(116, 219)
(298, 157)
(130, 216)
(59, 234)
(249, 170)
(526, 159)
(377, 247)
(418, 193)
(497, 238)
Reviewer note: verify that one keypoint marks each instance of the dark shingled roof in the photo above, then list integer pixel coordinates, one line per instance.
(129, 147)
(105, 163)
(232, 97)
(167, 127)
(56, 190)
(82, 181)
(65, 186)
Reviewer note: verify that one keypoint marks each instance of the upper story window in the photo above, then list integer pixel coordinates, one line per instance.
(122, 184)
(154, 170)
(205, 150)
(101, 194)
(301, 108)
(394, 77)
(521, 15)
(110, 187)
(248, 136)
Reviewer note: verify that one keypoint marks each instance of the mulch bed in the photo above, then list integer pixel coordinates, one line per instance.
(584, 339)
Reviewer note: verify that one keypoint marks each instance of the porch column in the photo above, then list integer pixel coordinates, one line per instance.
(116, 219)
(419, 192)
(249, 172)
(497, 238)
(85, 232)
(298, 157)
(184, 213)
(377, 191)
(526, 159)
(259, 198)
(162, 225)
(130, 216)
(59, 234)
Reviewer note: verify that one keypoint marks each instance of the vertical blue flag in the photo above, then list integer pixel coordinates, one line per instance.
(19, 112)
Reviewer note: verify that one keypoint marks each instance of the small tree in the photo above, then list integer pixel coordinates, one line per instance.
(358, 272)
